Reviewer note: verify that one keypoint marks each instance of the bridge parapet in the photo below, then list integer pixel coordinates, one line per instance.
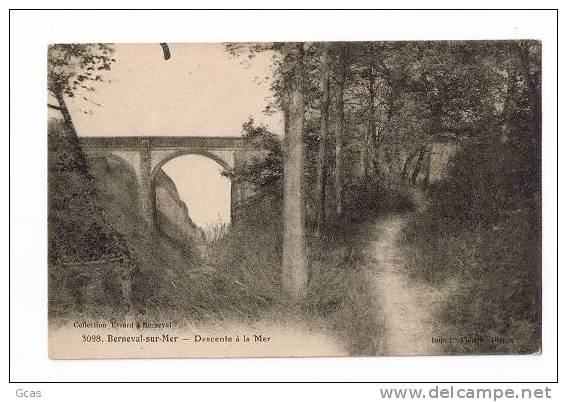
(134, 143)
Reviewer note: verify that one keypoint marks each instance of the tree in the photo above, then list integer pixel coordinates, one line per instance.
(79, 230)
(289, 95)
(369, 142)
(74, 67)
(366, 91)
(417, 170)
(294, 261)
(322, 154)
(343, 68)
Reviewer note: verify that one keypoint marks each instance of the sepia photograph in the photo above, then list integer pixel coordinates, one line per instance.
(294, 199)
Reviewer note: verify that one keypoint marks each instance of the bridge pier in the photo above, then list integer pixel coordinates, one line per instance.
(147, 194)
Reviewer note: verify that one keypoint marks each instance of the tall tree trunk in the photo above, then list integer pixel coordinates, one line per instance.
(322, 154)
(532, 86)
(427, 172)
(65, 112)
(418, 164)
(409, 158)
(506, 117)
(364, 157)
(341, 129)
(72, 136)
(294, 262)
(376, 150)
(371, 132)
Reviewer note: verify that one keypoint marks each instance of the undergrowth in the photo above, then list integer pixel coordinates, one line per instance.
(481, 235)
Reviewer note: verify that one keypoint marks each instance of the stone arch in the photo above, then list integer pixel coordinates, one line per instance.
(162, 160)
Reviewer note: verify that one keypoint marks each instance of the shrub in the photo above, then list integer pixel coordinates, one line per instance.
(482, 234)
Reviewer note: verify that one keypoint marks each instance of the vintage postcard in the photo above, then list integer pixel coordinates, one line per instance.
(294, 199)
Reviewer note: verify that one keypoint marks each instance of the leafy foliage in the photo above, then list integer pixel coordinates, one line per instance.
(73, 67)
(264, 172)
(482, 231)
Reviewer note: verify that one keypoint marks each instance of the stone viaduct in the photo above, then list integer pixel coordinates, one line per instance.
(146, 155)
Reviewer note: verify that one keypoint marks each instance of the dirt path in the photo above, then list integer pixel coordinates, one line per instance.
(407, 307)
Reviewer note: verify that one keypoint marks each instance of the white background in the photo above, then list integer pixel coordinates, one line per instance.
(32, 30)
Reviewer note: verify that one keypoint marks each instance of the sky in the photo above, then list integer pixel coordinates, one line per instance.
(200, 91)
(208, 200)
